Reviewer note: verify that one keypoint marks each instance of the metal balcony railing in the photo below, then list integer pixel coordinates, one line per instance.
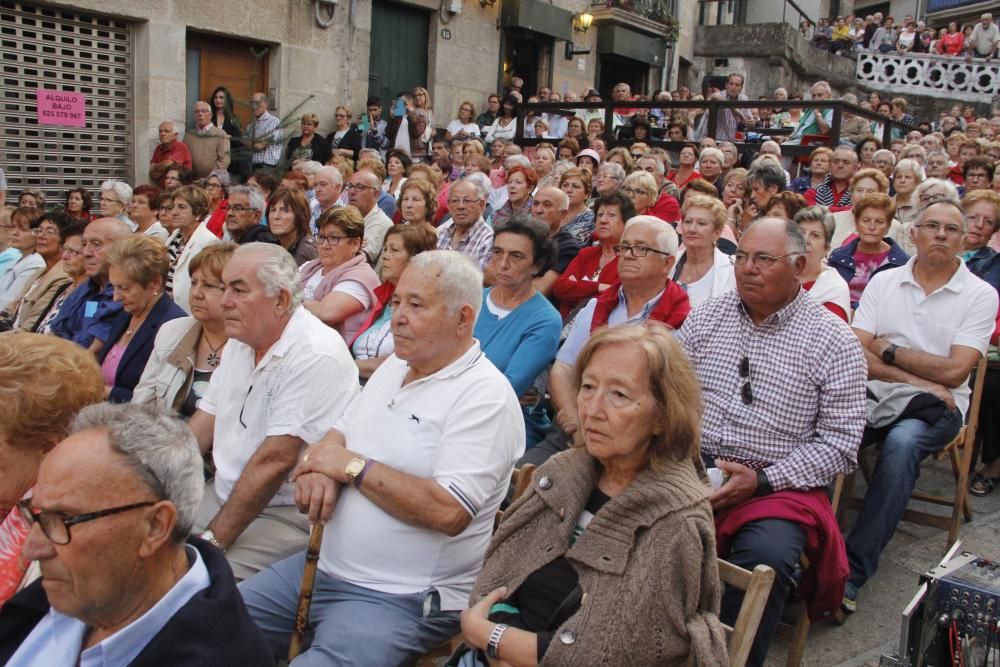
(655, 10)
(664, 109)
(927, 74)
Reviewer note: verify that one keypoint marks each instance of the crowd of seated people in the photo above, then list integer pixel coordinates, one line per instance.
(375, 331)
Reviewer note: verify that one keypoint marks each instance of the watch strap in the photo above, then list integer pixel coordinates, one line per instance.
(361, 475)
(493, 646)
(763, 484)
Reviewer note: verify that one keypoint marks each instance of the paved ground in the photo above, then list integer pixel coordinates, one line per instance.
(874, 628)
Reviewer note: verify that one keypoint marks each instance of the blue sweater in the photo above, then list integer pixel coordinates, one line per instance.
(522, 344)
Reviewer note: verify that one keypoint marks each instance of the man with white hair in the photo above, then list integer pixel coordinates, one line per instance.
(408, 481)
(666, 207)
(169, 150)
(984, 39)
(327, 186)
(646, 254)
(549, 206)
(467, 231)
(815, 120)
(283, 382)
(243, 216)
(209, 145)
(121, 582)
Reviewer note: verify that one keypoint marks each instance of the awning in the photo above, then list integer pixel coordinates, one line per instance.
(537, 16)
(620, 41)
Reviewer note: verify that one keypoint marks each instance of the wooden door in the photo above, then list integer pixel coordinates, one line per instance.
(398, 56)
(239, 66)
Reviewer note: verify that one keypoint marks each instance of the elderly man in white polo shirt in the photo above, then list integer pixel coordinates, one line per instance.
(924, 328)
(284, 380)
(410, 480)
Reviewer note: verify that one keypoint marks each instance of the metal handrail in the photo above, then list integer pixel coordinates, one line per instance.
(801, 12)
(713, 106)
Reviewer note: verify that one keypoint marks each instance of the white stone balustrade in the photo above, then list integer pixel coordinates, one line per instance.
(949, 77)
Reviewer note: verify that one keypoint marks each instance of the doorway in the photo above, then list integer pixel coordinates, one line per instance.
(615, 70)
(398, 56)
(527, 55)
(239, 65)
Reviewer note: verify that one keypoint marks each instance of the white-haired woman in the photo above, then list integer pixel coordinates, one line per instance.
(115, 198)
(906, 176)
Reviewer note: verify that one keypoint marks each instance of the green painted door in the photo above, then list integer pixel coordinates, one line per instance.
(398, 58)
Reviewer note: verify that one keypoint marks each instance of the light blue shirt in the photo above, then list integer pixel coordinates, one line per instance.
(56, 640)
(579, 331)
(8, 258)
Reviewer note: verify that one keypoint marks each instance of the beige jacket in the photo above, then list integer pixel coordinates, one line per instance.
(167, 378)
(38, 295)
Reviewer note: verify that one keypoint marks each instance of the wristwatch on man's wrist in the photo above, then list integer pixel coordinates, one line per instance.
(354, 468)
(889, 353)
(763, 485)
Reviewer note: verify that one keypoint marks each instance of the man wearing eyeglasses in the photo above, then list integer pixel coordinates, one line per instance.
(285, 378)
(246, 207)
(923, 327)
(121, 584)
(783, 382)
(646, 255)
(467, 231)
(87, 314)
(208, 144)
(363, 190)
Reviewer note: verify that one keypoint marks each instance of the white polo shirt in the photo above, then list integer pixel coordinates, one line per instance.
(300, 388)
(461, 427)
(962, 312)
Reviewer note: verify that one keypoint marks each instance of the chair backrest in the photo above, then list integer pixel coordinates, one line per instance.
(977, 396)
(756, 586)
(521, 479)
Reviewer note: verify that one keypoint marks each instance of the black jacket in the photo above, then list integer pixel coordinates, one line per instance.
(212, 629)
(351, 140)
(133, 361)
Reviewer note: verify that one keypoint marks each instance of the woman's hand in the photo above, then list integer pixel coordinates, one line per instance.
(476, 624)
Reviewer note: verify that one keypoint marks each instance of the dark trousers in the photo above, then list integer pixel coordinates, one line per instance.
(988, 437)
(556, 441)
(778, 544)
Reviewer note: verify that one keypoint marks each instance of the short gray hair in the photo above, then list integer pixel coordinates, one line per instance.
(922, 213)
(276, 270)
(482, 183)
(767, 173)
(951, 192)
(660, 168)
(333, 173)
(911, 165)
(459, 281)
(615, 170)
(884, 151)
(666, 236)
(711, 151)
(225, 180)
(518, 160)
(121, 189)
(255, 198)
(310, 166)
(818, 214)
(159, 448)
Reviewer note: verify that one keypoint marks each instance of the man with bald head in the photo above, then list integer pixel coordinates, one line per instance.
(170, 150)
(209, 144)
(768, 354)
(549, 206)
(87, 314)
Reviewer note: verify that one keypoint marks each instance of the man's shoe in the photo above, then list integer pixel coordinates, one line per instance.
(850, 601)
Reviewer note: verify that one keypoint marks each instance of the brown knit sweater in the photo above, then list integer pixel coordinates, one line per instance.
(646, 565)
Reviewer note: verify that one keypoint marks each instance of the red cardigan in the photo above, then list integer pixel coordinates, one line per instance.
(822, 585)
(584, 265)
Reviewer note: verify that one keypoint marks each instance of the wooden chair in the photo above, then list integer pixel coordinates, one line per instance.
(800, 632)
(960, 452)
(756, 586)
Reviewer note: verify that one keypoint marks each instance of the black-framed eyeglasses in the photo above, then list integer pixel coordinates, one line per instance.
(360, 187)
(746, 392)
(56, 525)
(636, 250)
(761, 259)
(331, 240)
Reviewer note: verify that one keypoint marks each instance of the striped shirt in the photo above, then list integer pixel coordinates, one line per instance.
(266, 128)
(477, 244)
(807, 375)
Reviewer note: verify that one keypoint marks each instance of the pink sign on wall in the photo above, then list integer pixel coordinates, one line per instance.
(61, 107)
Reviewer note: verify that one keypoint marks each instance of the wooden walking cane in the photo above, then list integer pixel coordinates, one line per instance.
(305, 595)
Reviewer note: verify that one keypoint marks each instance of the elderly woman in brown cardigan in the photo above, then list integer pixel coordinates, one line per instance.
(609, 559)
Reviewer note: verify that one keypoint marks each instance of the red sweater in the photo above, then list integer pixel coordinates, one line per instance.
(583, 267)
(178, 153)
(666, 208)
(822, 585)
